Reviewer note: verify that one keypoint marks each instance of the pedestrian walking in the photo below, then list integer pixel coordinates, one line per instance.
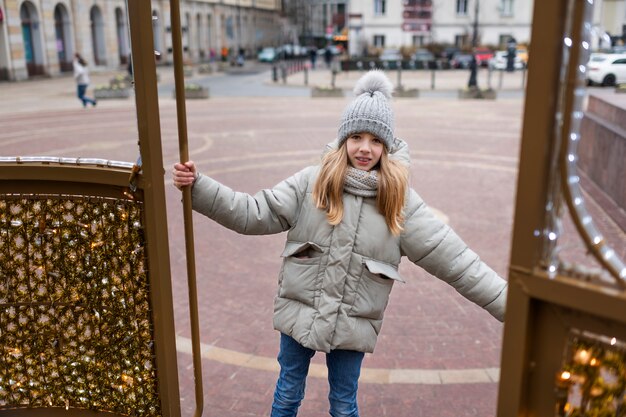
(81, 75)
(313, 56)
(328, 56)
(349, 221)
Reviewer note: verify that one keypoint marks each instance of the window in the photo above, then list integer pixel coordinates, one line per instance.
(380, 7)
(461, 40)
(379, 41)
(506, 7)
(325, 14)
(461, 7)
(418, 40)
(504, 39)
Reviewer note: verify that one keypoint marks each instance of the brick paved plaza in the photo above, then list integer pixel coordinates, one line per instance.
(437, 356)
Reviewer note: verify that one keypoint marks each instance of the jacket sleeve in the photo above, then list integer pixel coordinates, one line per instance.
(77, 69)
(269, 211)
(434, 246)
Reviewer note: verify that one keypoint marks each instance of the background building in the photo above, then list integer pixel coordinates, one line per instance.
(40, 37)
(376, 24)
(415, 23)
(314, 22)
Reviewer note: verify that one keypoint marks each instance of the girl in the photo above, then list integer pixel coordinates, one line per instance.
(349, 222)
(81, 75)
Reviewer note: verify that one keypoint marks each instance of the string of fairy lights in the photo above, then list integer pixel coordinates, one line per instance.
(574, 196)
(592, 381)
(75, 319)
(565, 189)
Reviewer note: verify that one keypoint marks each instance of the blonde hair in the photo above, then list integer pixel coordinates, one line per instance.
(392, 186)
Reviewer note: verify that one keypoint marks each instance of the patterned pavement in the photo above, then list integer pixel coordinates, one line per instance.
(437, 356)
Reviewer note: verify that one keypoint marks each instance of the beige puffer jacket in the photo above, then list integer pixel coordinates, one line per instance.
(335, 281)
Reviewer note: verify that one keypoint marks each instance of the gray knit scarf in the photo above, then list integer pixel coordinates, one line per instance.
(361, 183)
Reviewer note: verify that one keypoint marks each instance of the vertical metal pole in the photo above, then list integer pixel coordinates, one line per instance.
(181, 114)
(148, 125)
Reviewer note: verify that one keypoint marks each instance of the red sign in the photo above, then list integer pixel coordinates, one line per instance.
(417, 16)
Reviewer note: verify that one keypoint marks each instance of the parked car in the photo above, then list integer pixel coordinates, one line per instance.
(267, 55)
(499, 61)
(389, 54)
(449, 51)
(423, 55)
(522, 53)
(461, 60)
(286, 51)
(483, 55)
(618, 49)
(606, 69)
(334, 49)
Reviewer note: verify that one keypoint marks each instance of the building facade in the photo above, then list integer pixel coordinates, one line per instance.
(40, 37)
(313, 22)
(413, 23)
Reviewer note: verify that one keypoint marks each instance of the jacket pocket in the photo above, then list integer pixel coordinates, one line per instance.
(300, 279)
(372, 294)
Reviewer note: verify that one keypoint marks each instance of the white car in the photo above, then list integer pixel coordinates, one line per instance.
(606, 69)
(267, 55)
(390, 55)
(498, 62)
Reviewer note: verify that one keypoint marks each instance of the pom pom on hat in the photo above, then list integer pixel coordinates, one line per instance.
(369, 111)
(373, 81)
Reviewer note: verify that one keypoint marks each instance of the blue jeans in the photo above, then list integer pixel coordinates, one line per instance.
(344, 368)
(80, 92)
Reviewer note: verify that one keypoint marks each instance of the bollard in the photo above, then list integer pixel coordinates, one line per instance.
(274, 73)
(500, 81)
(399, 75)
(489, 72)
(334, 68)
(523, 77)
(306, 75)
(283, 73)
(432, 79)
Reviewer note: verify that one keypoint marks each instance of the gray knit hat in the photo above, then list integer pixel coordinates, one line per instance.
(369, 111)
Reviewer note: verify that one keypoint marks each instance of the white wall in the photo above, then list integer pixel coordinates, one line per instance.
(446, 24)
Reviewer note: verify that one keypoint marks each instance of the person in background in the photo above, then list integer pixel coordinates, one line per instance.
(328, 56)
(349, 221)
(129, 68)
(81, 75)
(313, 56)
